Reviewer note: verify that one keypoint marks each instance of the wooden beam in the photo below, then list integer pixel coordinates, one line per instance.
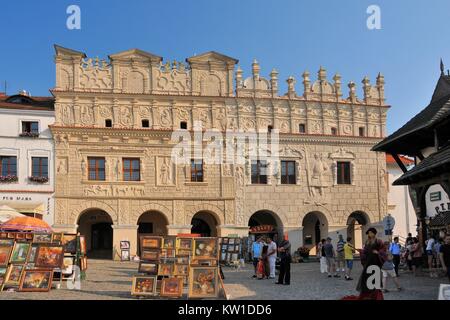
(399, 162)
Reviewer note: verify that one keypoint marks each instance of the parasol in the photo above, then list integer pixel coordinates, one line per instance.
(26, 224)
(7, 213)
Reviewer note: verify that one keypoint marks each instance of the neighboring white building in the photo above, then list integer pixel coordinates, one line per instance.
(26, 155)
(399, 203)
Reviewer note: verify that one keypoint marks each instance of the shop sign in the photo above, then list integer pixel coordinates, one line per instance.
(261, 229)
(16, 198)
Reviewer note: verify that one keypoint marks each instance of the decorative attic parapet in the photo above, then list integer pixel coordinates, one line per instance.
(322, 89)
(256, 86)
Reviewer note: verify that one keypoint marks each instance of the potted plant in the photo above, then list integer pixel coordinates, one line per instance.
(304, 252)
(29, 134)
(8, 178)
(38, 179)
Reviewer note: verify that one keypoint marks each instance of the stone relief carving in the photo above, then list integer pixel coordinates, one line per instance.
(95, 74)
(221, 119)
(144, 112)
(65, 114)
(117, 169)
(173, 80)
(61, 168)
(83, 169)
(126, 116)
(204, 118)
(284, 126)
(342, 153)
(347, 129)
(105, 112)
(318, 170)
(87, 115)
(165, 171)
(114, 191)
(165, 118)
(316, 127)
(227, 170)
(291, 152)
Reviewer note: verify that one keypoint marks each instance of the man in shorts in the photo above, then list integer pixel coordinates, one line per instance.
(330, 256)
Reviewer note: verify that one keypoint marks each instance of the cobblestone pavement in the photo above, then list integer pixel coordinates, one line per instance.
(108, 280)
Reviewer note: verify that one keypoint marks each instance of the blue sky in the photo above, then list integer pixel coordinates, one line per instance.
(289, 35)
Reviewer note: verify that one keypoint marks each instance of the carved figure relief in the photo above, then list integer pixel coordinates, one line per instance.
(61, 168)
(126, 117)
(221, 119)
(165, 171)
(165, 119)
(87, 115)
(318, 170)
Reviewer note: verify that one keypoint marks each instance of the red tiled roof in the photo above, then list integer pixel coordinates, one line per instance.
(36, 103)
(390, 159)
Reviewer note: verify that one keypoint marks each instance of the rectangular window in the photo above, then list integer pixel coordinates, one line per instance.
(30, 127)
(8, 166)
(108, 123)
(343, 173)
(301, 128)
(131, 169)
(196, 170)
(39, 167)
(145, 123)
(334, 131)
(361, 132)
(288, 172)
(183, 125)
(96, 168)
(259, 172)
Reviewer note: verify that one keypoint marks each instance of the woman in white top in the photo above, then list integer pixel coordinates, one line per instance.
(429, 250)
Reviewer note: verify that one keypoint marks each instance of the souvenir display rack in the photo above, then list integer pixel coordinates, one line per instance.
(177, 267)
(231, 249)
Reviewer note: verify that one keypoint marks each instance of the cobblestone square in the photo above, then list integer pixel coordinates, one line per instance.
(110, 280)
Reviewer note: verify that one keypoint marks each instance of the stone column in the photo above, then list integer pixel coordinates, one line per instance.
(124, 233)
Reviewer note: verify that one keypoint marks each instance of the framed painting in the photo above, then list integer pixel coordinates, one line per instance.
(3, 235)
(182, 260)
(21, 236)
(204, 262)
(3, 271)
(168, 253)
(32, 253)
(169, 242)
(69, 241)
(124, 255)
(5, 254)
(231, 241)
(42, 238)
(172, 287)
(67, 267)
(36, 280)
(205, 248)
(49, 256)
(29, 236)
(184, 243)
(184, 279)
(165, 269)
(150, 242)
(11, 235)
(125, 245)
(83, 263)
(150, 255)
(143, 286)
(150, 268)
(14, 274)
(20, 252)
(203, 282)
(82, 244)
(57, 237)
(181, 270)
(184, 252)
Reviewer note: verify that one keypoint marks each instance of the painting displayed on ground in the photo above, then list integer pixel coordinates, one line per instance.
(36, 280)
(143, 286)
(203, 282)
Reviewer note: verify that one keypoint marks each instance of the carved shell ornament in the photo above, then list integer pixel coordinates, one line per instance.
(144, 111)
(347, 129)
(105, 111)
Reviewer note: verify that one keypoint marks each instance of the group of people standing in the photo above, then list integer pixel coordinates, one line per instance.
(265, 252)
(334, 261)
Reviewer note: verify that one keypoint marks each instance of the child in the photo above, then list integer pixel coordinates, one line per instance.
(388, 270)
(348, 253)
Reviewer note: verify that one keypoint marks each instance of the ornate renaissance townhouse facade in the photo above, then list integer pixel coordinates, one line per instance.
(115, 177)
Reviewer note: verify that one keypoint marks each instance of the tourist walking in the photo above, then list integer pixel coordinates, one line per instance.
(340, 256)
(388, 270)
(444, 255)
(429, 250)
(331, 259)
(349, 250)
(263, 269)
(416, 251)
(322, 257)
(285, 263)
(373, 254)
(409, 239)
(256, 253)
(395, 249)
(272, 256)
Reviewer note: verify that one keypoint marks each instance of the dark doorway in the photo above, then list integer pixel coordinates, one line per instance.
(102, 238)
(145, 227)
(201, 227)
(317, 232)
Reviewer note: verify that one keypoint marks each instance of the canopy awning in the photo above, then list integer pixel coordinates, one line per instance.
(26, 224)
(7, 213)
